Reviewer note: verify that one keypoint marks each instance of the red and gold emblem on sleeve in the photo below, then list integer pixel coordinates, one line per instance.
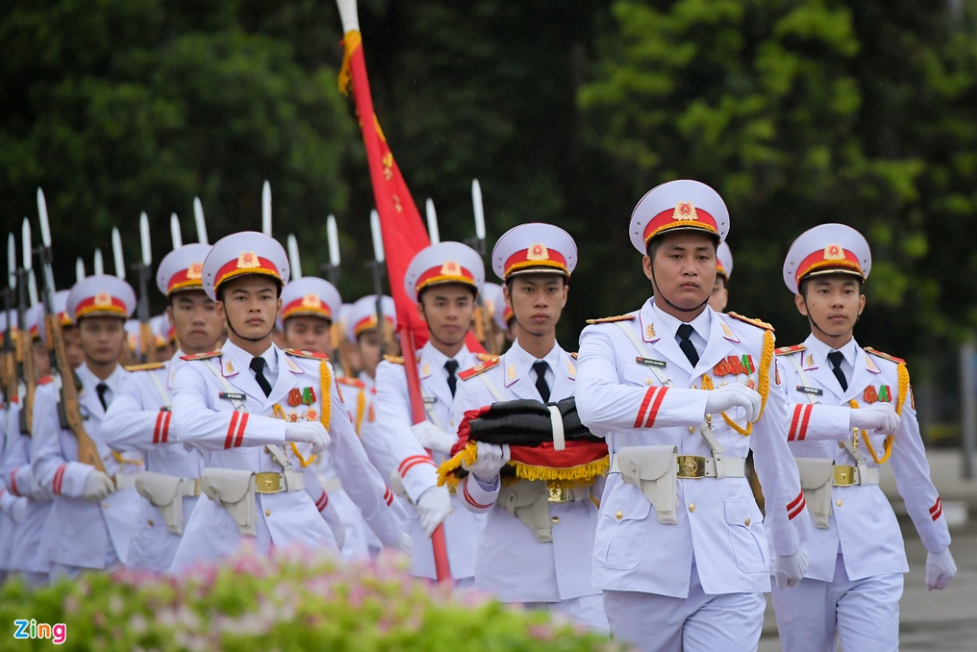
(684, 210)
(247, 260)
(537, 251)
(834, 252)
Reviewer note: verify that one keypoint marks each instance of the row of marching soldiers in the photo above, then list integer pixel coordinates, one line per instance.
(608, 485)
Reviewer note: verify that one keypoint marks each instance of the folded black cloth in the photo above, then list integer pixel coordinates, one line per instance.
(526, 422)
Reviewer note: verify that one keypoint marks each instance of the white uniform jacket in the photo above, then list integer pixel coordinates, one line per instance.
(237, 440)
(141, 419)
(719, 527)
(394, 449)
(511, 564)
(862, 525)
(12, 458)
(79, 532)
(19, 481)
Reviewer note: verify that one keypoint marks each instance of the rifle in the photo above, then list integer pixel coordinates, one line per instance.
(8, 355)
(69, 414)
(27, 378)
(385, 332)
(144, 268)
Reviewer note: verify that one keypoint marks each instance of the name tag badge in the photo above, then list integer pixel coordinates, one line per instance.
(233, 396)
(810, 390)
(430, 400)
(660, 364)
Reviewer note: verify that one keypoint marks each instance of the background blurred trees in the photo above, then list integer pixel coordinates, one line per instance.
(798, 112)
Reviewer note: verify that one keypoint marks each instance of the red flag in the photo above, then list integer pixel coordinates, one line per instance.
(400, 222)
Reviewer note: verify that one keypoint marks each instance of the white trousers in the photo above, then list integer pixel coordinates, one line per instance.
(730, 622)
(863, 614)
(587, 610)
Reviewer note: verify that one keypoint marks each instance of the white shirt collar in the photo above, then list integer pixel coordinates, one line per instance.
(552, 358)
(701, 325)
(270, 356)
(819, 350)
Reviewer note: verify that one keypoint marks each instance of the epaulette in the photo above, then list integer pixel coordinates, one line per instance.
(351, 382)
(787, 350)
(148, 366)
(477, 369)
(885, 356)
(610, 320)
(44, 380)
(754, 322)
(486, 357)
(315, 355)
(573, 355)
(201, 356)
(394, 359)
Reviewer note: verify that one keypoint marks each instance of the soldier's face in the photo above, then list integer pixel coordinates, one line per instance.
(308, 333)
(684, 268)
(72, 346)
(833, 302)
(102, 338)
(448, 310)
(42, 361)
(368, 342)
(250, 304)
(195, 318)
(719, 296)
(537, 301)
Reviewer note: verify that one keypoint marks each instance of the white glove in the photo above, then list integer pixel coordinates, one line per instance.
(940, 569)
(404, 544)
(735, 395)
(97, 486)
(880, 417)
(491, 458)
(433, 438)
(790, 569)
(18, 510)
(309, 432)
(433, 507)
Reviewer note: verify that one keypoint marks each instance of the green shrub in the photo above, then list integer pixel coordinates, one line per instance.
(296, 602)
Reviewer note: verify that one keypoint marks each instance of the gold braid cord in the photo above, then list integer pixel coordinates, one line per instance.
(763, 386)
(903, 374)
(277, 410)
(360, 406)
(572, 477)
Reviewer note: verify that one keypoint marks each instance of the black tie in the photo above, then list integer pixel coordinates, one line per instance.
(451, 366)
(684, 331)
(258, 367)
(836, 357)
(101, 388)
(541, 386)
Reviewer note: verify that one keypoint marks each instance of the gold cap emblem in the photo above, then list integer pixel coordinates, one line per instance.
(451, 268)
(103, 299)
(247, 260)
(195, 271)
(834, 252)
(684, 210)
(311, 301)
(537, 251)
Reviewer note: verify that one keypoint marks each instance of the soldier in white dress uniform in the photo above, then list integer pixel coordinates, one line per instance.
(13, 495)
(850, 410)
(445, 280)
(363, 333)
(91, 521)
(681, 546)
(724, 270)
(141, 417)
(514, 562)
(308, 306)
(233, 405)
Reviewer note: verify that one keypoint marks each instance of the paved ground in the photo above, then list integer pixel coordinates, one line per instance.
(937, 621)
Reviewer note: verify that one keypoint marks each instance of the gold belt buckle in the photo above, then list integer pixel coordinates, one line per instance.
(559, 495)
(196, 487)
(691, 466)
(267, 483)
(844, 476)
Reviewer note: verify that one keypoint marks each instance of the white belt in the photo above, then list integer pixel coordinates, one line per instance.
(693, 467)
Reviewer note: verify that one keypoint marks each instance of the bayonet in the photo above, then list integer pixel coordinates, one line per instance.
(198, 218)
(98, 264)
(120, 267)
(146, 340)
(332, 240)
(266, 209)
(79, 269)
(432, 222)
(293, 257)
(175, 232)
